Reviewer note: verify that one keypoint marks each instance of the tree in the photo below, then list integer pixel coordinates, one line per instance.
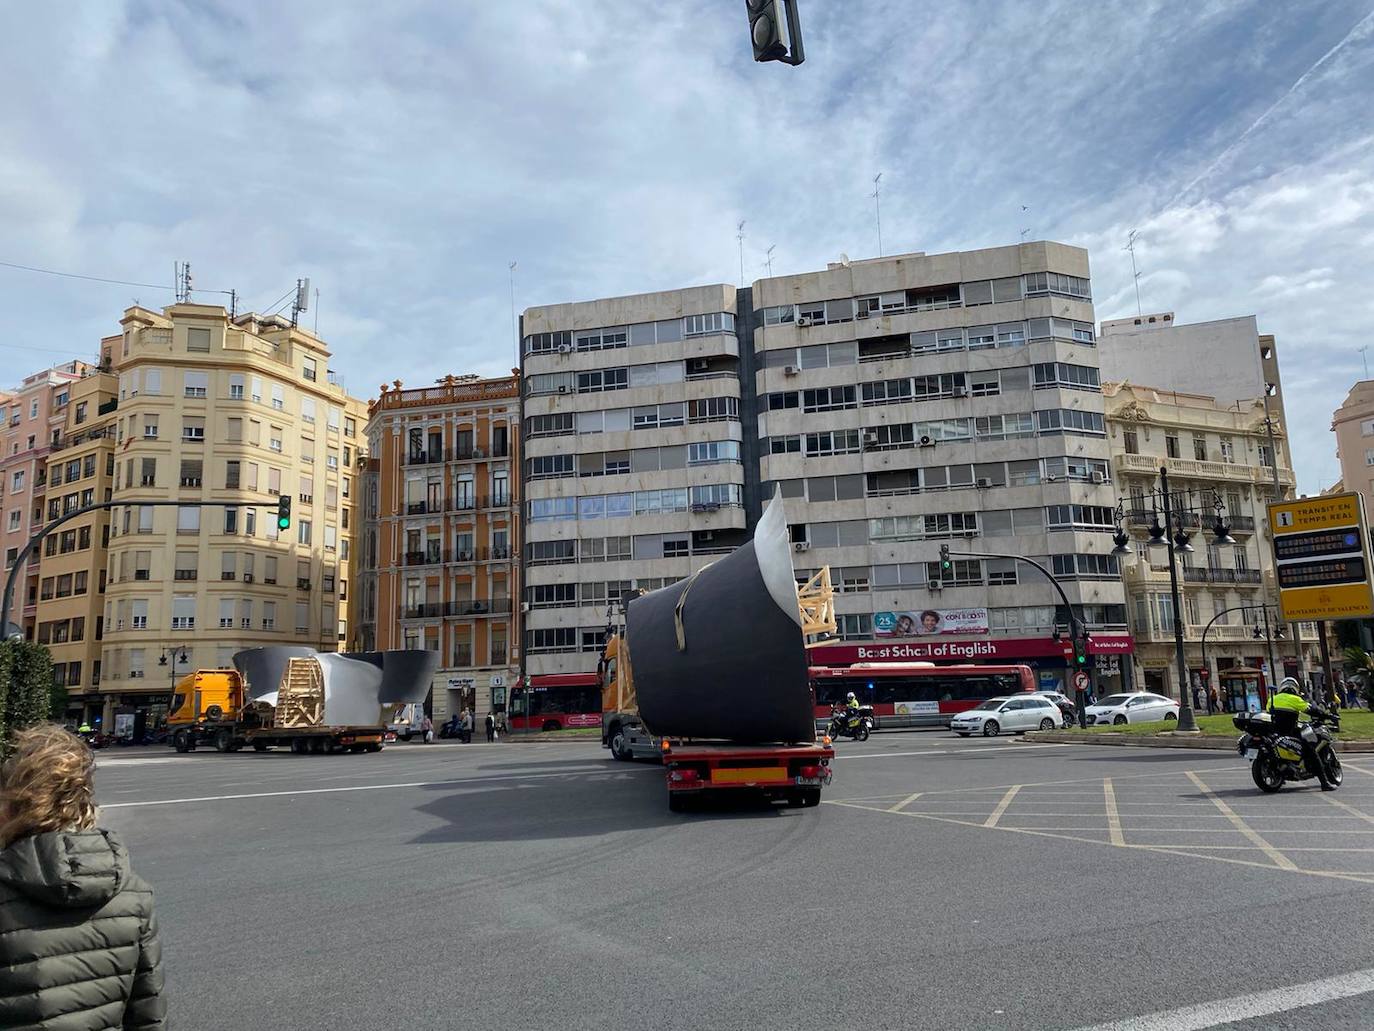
(1362, 663)
(25, 686)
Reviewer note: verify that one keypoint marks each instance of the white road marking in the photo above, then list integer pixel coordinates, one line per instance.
(1244, 1007)
(1348, 808)
(937, 751)
(1002, 807)
(1113, 817)
(1269, 850)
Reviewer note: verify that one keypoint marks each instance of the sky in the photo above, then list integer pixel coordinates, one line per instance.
(403, 155)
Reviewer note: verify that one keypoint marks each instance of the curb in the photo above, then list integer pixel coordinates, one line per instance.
(1210, 741)
(537, 739)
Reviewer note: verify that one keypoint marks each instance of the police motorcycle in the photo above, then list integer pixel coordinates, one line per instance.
(1276, 758)
(856, 723)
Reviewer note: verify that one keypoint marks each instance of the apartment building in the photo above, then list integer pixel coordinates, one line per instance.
(37, 410)
(634, 458)
(71, 595)
(1353, 425)
(911, 402)
(442, 532)
(897, 404)
(1215, 453)
(232, 411)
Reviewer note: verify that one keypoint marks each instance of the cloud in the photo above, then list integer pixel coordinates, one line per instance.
(402, 155)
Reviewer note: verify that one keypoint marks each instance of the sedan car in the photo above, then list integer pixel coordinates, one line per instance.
(1140, 707)
(1012, 714)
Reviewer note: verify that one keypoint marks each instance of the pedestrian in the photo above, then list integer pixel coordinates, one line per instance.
(467, 726)
(1212, 705)
(1197, 697)
(427, 728)
(491, 728)
(77, 928)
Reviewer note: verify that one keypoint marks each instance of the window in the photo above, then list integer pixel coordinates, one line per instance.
(1131, 442)
(278, 397)
(17, 481)
(139, 614)
(713, 409)
(191, 470)
(713, 452)
(1228, 451)
(308, 369)
(303, 532)
(1171, 447)
(602, 379)
(307, 450)
(833, 442)
(1097, 517)
(231, 520)
(192, 428)
(307, 408)
(828, 399)
(269, 615)
(1199, 447)
(1062, 374)
(197, 339)
(15, 516)
(188, 520)
(197, 384)
(1070, 421)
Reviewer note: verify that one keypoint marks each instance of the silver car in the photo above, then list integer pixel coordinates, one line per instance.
(1012, 714)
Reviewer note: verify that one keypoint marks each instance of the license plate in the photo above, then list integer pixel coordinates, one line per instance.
(750, 775)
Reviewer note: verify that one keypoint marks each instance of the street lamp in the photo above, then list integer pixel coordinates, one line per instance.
(177, 655)
(1172, 535)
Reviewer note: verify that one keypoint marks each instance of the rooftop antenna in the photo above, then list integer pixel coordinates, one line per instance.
(302, 301)
(1135, 276)
(1365, 356)
(878, 210)
(316, 330)
(514, 330)
(768, 259)
(739, 235)
(182, 271)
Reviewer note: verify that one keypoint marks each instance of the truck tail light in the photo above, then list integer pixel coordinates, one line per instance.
(685, 776)
(811, 772)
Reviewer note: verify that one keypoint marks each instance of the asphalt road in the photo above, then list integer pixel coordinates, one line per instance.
(944, 883)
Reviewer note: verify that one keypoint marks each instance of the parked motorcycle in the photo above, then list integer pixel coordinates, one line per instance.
(857, 724)
(1277, 758)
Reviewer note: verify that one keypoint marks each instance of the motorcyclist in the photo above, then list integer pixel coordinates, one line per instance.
(851, 708)
(1287, 706)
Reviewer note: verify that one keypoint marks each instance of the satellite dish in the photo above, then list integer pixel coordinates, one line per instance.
(844, 259)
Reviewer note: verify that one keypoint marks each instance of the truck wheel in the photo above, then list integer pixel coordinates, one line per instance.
(677, 802)
(619, 749)
(317, 745)
(300, 745)
(374, 748)
(223, 741)
(810, 797)
(259, 746)
(180, 741)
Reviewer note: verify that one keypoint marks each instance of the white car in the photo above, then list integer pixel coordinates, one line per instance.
(1012, 714)
(1140, 707)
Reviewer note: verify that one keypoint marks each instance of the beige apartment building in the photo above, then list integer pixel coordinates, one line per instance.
(235, 411)
(72, 570)
(1353, 424)
(36, 413)
(1215, 452)
(442, 534)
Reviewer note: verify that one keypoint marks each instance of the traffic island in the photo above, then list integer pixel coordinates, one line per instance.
(1214, 732)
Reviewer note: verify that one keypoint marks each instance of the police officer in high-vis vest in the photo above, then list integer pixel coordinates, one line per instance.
(1288, 706)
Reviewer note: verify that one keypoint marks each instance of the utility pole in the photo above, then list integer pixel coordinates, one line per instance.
(1135, 276)
(739, 235)
(1365, 355)
(878, 210)
(514, 329)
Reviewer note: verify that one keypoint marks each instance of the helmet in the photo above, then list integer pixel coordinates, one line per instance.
(851, 697)
(1289, 685)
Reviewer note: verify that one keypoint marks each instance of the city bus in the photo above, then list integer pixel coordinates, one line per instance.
(915, 694)
(557, 701)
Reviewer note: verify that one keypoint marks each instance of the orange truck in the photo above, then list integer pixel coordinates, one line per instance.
(209, 707)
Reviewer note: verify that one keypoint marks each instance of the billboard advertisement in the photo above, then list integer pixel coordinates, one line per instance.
(930, 622)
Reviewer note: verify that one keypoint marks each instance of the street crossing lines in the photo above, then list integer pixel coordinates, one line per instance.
(1269, 850)
(1113, 816)
(1002, 806)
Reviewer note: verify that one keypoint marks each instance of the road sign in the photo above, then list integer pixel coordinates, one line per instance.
(1081, 680)
(1321, 558)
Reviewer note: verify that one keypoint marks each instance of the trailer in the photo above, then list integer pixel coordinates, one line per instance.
(793, 774)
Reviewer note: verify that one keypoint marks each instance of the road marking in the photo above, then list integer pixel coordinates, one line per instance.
(1244, 1007)
(1113, 817)
(1325, 797)
(1002, 806)
(1269, 850)
(905, 802)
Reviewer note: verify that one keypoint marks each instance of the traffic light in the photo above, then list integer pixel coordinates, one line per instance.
(766, 29)
(284, 512)
(775, 31)
(945, 564)
(1080, 650)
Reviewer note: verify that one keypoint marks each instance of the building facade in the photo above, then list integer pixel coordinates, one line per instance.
(72, 570)
(37, 410)
(442, 531)
(232, 412)
(1353, 424)
(1215, 452)
(634, 466)
(898, 405)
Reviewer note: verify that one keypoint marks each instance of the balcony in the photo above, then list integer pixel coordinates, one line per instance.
(1217, 575)
(442, 609)
(1185, 468)
(450, 556)
(187, 574)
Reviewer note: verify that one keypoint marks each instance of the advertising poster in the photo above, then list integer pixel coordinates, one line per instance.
(930, 622)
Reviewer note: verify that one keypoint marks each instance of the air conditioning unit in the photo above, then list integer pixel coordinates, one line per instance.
(707, 535)
(565, 348)
(803, 321)
(563, 389)
(984, 483)
(959, 392)
(1097, 477)
(936, 585)
(524, 606)
(926, 441)
(802, 546)
(700, 364)
(870, 438)
(790, 370)
(248, 578)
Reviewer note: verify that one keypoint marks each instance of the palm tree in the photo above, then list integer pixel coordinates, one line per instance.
(1362, 663)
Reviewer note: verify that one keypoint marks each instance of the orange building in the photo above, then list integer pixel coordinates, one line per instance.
(441, 534)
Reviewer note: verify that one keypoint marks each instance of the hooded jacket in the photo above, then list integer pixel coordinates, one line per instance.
(78, 940)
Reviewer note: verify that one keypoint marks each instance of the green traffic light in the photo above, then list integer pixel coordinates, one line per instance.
(284, 523)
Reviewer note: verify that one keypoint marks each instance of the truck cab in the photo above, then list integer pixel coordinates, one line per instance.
(622, 731)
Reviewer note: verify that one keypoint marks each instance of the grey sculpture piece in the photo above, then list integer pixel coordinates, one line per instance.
(360, 688)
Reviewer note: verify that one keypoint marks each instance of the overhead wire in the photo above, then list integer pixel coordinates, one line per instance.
(101, 279)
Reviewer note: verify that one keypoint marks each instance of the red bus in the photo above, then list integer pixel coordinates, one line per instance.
(915, 694)
(557, 701)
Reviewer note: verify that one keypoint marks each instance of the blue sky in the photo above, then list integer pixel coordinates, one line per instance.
(401, 155)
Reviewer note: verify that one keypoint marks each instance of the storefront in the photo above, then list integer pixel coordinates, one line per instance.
(1108, 665)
